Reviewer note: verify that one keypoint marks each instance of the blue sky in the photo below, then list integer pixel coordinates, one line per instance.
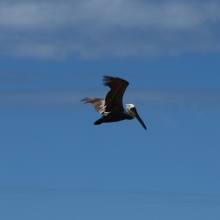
(55, 164)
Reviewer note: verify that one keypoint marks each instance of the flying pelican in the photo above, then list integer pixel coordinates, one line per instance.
(111, 107)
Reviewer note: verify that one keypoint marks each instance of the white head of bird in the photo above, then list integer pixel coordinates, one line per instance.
(130, 107)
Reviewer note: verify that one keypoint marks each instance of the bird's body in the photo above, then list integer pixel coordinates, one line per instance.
(111, 107)
(113, 117)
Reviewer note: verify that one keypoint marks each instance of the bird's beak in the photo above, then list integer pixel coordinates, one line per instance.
(139, 119)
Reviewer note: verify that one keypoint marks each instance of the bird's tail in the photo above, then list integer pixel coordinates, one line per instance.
(100, 121)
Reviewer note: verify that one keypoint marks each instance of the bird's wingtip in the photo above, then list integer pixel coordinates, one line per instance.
(83, 101)
(107, 79)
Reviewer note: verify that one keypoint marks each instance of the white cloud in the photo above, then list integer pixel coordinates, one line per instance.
(108, 13)
(116, 28)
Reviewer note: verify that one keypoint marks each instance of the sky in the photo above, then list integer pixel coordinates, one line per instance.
(55, 164)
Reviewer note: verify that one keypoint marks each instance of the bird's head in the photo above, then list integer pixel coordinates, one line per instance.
(133, 112)
(131, 108)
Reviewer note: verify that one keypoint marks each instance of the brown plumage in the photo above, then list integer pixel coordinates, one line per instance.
(97, 102)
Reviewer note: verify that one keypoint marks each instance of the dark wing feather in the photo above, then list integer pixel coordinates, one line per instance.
(113, 100)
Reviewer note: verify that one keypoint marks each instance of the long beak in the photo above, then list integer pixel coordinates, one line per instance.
(139, 119)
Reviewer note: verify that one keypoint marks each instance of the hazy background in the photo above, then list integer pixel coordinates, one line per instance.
(55, 164)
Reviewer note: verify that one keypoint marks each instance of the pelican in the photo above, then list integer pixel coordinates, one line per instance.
(111, 107)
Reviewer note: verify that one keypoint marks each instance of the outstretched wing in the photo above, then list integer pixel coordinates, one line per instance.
(113, 100)
(98, 103)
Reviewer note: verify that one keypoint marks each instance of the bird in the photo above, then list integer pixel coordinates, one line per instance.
(111, 108)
